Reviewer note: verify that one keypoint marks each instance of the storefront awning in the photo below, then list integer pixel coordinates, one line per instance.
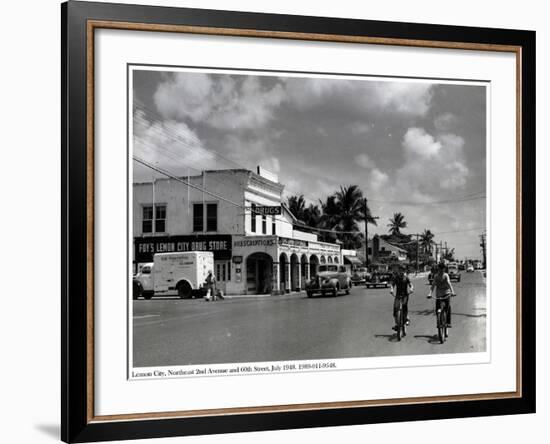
(352, 260)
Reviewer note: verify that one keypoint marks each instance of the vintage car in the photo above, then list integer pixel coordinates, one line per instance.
(470, 268)
(381, 276)
(360, 275)
(330, 278)
(453, 272)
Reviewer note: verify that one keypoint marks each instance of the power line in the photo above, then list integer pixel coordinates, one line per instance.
(185, 145)
(179, 179)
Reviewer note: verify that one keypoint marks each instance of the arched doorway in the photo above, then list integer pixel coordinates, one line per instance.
(294, 270)
(259, 267)
(304, 269)
(323, 260)
(313, 262)
(283, 272)
(330, 260)
(336, 260)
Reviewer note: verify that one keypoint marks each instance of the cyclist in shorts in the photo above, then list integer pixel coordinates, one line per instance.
(401, 287)
(444, 289)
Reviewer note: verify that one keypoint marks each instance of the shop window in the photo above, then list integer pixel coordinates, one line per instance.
(160, 218)
(264, 225)
(223, 273)
(198, 217)
(273, 225)
(212, 217)
(147, 219)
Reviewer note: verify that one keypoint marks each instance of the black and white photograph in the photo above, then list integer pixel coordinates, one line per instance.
(304, 217)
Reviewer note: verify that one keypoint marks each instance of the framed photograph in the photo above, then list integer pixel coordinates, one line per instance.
(276, 221)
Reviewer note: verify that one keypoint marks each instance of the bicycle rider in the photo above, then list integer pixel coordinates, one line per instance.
(444, 290)
(401, 287)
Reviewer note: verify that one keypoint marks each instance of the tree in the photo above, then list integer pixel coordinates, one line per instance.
(449, 255)
(396, 223)
(350, 204)
(427, 240)
(297, 206)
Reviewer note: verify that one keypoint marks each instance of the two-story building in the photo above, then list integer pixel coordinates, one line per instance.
(237, 214)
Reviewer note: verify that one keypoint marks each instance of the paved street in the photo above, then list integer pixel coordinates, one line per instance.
(293, 327)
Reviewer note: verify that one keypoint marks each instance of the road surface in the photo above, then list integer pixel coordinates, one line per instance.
(171, 332)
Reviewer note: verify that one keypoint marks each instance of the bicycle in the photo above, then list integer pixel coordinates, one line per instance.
(401, 322)
(441, 314)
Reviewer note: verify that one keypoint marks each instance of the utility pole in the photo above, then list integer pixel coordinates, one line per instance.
(483, 246)
(365, 208)
(417, 246)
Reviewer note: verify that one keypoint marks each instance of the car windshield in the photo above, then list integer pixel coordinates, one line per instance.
(146, 270)
(328, 268)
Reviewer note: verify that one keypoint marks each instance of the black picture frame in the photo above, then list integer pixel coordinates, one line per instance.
(77, 424)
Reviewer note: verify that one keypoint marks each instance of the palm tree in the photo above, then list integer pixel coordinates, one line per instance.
(427, 240)
(312, 216)
(297, 206)
(329, 218)
(350, 205)
(396, 223)
(450, 255)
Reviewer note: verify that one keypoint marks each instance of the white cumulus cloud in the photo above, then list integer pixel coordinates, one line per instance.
(223, 102)
(417, 142)
(364, 161)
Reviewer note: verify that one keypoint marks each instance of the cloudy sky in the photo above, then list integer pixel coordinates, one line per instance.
(413, 147)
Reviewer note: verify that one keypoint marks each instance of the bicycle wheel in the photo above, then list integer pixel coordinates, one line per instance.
(443, 325)
(446, 329)
(440, 320)
(399, 323)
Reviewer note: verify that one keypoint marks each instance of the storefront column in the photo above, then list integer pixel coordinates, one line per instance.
(306, 277)
(275, 279)
(287, 277)
(299, 266)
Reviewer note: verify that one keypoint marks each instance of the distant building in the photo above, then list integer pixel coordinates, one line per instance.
(242, 220)
(379, 249)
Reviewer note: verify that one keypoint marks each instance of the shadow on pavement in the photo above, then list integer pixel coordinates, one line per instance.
(469, 315)
(426, 312)
(391, 338)
(431, 339)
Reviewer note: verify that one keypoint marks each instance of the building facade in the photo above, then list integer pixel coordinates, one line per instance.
(241, 218)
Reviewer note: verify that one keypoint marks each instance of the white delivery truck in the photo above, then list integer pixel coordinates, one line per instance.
(181, 274)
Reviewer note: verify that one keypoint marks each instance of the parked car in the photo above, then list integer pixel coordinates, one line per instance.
(381, 276)
(470, 268)
(360, 276)
(454, 273)
(330, 278)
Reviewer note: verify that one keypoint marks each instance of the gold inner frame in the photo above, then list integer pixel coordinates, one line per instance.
(92, 25)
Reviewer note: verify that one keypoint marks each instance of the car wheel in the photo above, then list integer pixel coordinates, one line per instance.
(136, 291)
(184, 290)
(310, 294)
(148, 296)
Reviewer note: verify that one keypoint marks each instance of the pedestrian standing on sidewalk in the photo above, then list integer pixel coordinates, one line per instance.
(210, 286)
